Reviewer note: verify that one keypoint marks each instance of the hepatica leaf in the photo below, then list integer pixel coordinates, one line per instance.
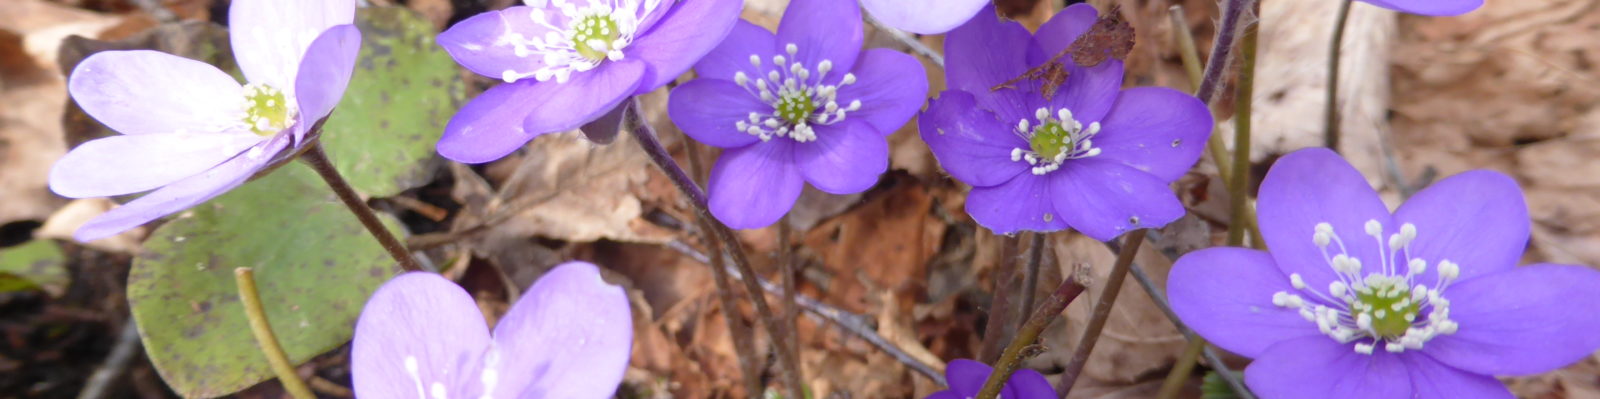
(38, 264)
(405, 87)
(315, 266)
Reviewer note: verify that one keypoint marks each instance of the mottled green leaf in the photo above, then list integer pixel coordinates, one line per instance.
(35, 265)
(315, 266)
(1214, 387)
(405, 88)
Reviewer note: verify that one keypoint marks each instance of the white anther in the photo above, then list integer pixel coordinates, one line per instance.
(1022, 126)
(849, 79)
(1337, 288)
(1296, 281)
(1374, 228)
(1321, 239)
(1042, 114)
(1449, 270)
(1365, 349)
(1016, 154)
(755, 60)
(1416, 266)
(1394, 347)
(740, 78)
(824, 66)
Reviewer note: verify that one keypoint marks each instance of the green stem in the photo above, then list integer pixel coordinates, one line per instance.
(1102, 310)
(1000, 324)
(318, 160)
(244, 277)
(1030, 280)
(1017, 351)
(1240, 186)
(1330, 133)
(1215, 148)
(1181, 369)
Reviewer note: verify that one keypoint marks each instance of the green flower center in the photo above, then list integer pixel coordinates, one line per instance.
(592, 36)
(267, 110)
(1050, 139)
(796, 107)
(1387, 300)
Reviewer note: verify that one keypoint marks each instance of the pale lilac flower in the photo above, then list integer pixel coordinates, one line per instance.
(966, 378)
(1437, 8)
(189, 131)
(928, 17)
(422, 336)
(1094, 157)
(1353, 301)
(566, 63)
(805, 105)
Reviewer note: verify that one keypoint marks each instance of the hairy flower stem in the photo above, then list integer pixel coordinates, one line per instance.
(1330, 132)
(1019, 349)
(1215, 148)
(244, 277)
(787, 273)
(1239, 188)
(1102, 310)
(742, 342)
(998, 329)
(1228, 30)
(646, 136)
(318, 160)
(1030, 280)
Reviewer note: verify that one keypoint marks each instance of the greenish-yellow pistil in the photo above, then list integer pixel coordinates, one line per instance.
(593, 35)
(1049, 140)
(1386, 300)
(267, 109)
(796, 107)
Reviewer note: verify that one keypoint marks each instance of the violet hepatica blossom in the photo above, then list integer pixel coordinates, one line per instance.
(422, 336)
(1437, 8)
(928, 17)
(966, 378)
(189, 131)
(1093, 157)
(566, 63)
(1353, 301)
(805, 105)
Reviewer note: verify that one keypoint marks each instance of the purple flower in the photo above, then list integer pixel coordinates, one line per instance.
(422, 336)
(928, 17)
(1437, 8)
(966, 378)
(569, 62)
(189, 131)
(1094, 157)
(806, 105)
(1354, 301)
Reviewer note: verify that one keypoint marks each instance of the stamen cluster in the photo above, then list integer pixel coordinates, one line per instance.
(597, 32)
(266, 109)
(794, 96)
(1054, 140)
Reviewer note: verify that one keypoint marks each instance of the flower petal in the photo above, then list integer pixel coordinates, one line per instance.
(490, 126)
(681, 37)
(1225, 295)
(1064, 28)
(970, 144)
(1029, 384)
(1089, 92)
(479, 43)
(709, 110)
(417, 329)
(986, 52)
(143, 92)
(1318, 367)
(185, 193)
(753, 186)
(1156, 130)
(966, 376)
(270, 37)
(1022, 204)
(589, 95)
(1525, 320)
(847, 157)
(733, 54)
(1103, 199)
(568, 337)
(823, 30)
(1476, 219)
(1437, 8)
(1433, 380)
(125, 164)
(891, 87)
(1313, 186)
(927, 17)
(324, 74)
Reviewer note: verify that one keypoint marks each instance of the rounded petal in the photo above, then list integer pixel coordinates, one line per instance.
(1022, 204)
(966, 376)
(946, 394)
(846, 158)
(185, 193)
(1437, 8)
(1525, 320)
(324, 74)
(588, 96)
(479, 43)
(568, 337)
(891, 87)
(1314, 186)
(1090, 92)
(417, 329)
(927, 17)
(1318, 367)
(1064, 28)
(985, 53)
(143, 92)
(1029, 384)
(1103, 199)
(709, 111)
(125, 164)
(970, 144)
(733, 54)
(681, 37)
(1433, 380)
(823, 30)
(270, 37)
(1225, 295)
(1476, 219)
(752, 187)
(490, 126)
(1157, 130)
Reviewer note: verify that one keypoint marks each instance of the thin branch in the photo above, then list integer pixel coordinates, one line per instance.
(319, 162)
(244, 277)
(1019, 348)
(1330, 132)
(1102, 310)
(99, 383)
(909, 41)
(1030, 280)
(998, 329)
(742, 341)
